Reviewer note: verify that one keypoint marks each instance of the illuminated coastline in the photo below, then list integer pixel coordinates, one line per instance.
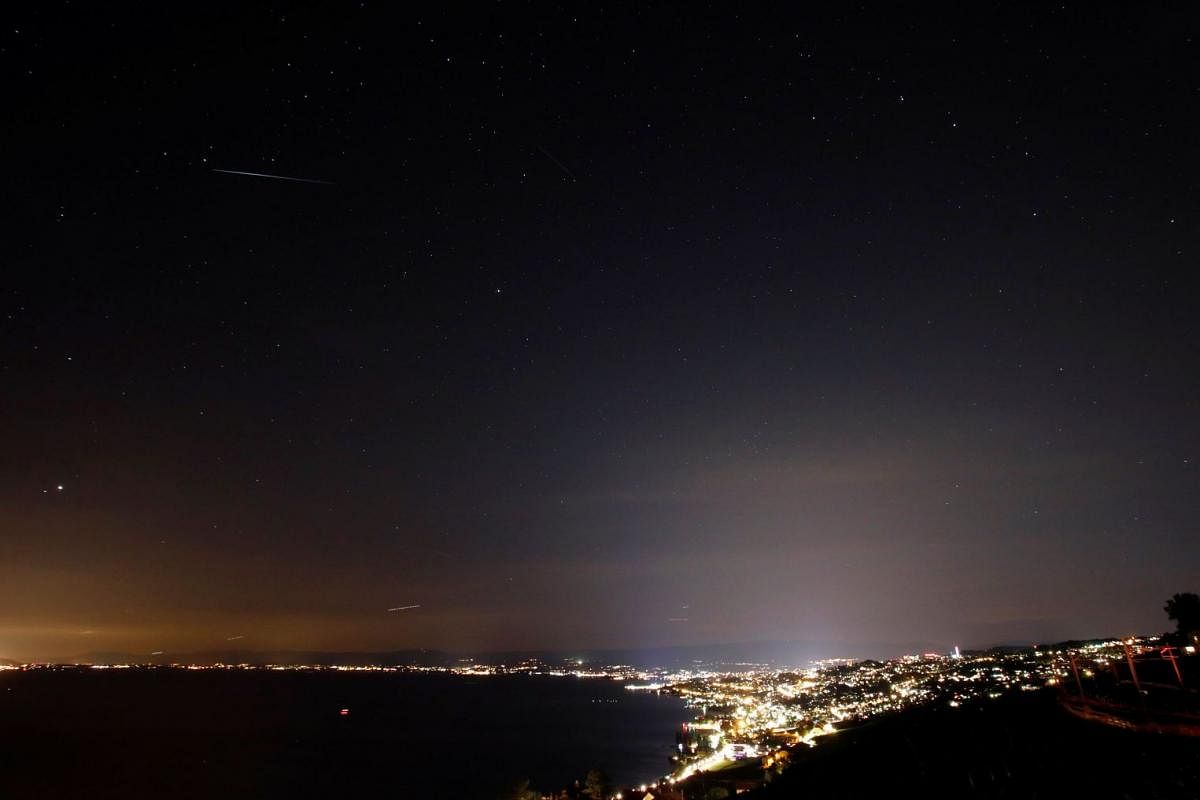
(755, 713)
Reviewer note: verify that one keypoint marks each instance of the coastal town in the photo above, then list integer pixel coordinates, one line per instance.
(748, 720)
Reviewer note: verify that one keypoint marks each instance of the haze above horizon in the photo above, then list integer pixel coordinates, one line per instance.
(595, 328)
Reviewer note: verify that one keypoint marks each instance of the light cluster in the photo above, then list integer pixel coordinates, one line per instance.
(755, 711)
(763, 710)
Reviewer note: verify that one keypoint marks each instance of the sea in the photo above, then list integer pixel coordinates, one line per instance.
(141, 733)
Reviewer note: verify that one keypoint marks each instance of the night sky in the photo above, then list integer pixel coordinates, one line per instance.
(605, 328)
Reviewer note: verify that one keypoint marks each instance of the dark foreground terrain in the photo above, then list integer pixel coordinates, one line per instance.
(1022, 746)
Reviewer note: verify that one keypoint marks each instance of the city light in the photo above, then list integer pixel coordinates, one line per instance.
(758, 711)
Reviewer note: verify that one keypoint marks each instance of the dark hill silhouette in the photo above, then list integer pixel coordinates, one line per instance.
(1022, 746)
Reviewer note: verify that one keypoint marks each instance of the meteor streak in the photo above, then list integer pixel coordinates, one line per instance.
(273, 177)
(560, 164)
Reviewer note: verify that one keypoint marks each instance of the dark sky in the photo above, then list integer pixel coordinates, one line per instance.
(609, 328)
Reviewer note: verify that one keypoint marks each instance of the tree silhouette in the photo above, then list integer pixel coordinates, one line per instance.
(596, 785)
(519, 791)
(1184, 609)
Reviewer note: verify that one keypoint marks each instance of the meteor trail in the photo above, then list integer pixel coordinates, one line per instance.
(561, 165)
(403, 608)
(273, 177)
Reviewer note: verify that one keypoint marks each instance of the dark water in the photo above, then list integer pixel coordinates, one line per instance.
(171, 733)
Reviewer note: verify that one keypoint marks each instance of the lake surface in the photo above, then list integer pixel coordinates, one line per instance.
(216, 733)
